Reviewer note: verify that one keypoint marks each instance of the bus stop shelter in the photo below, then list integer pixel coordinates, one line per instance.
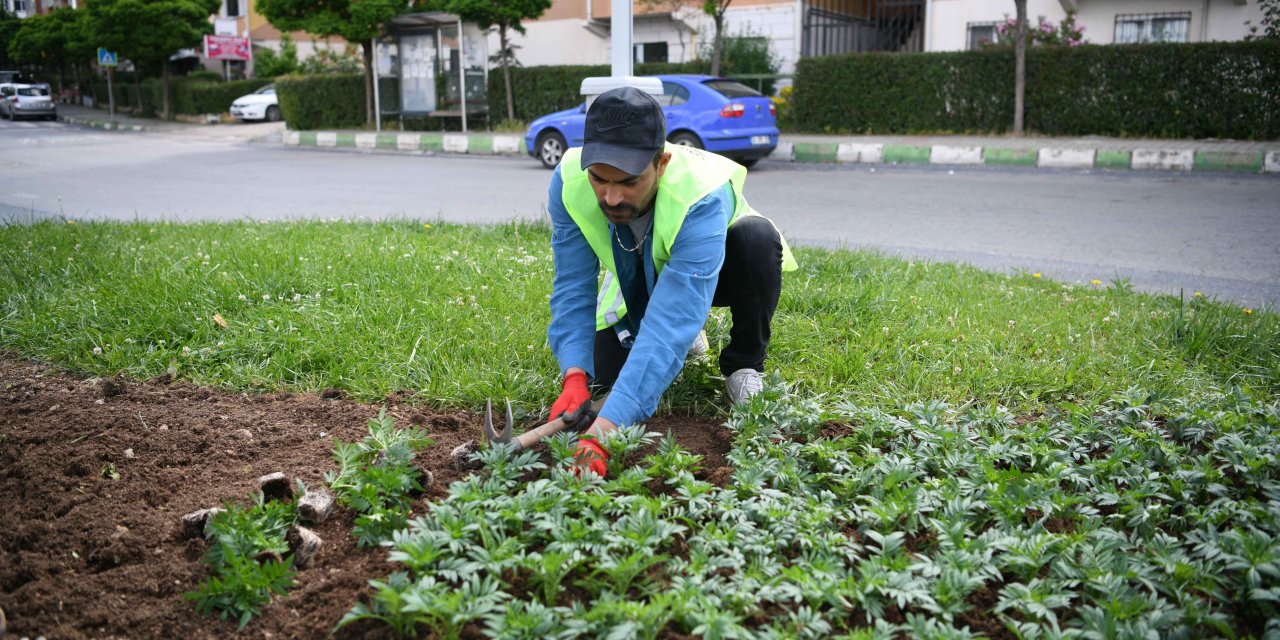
(441, 64)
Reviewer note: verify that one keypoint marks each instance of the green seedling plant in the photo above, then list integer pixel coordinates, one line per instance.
(376, 477)
(247, 560)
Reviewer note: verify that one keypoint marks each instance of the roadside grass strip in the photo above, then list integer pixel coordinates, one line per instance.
(954, 453)
(458, 314)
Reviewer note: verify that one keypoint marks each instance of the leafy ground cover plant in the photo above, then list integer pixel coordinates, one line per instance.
(1133, 518)
(248, 560)
(377, 478)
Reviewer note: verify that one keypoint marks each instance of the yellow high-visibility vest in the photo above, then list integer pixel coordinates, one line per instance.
(691, 175)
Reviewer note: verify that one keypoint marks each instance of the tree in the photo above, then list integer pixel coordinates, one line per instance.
(504, 15)
(53, 41)
(1269, 26)
(148, 32)
(716, 9)
(1020, 68)
(9, 25)
(353, 20)
(270, 64)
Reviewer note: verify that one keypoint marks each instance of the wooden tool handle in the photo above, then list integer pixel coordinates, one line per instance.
(532, 436)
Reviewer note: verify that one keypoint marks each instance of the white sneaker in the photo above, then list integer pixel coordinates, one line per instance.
(742, 384)
(699, 345)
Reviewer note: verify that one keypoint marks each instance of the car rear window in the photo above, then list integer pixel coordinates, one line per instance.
(33, 91)
(732, 89)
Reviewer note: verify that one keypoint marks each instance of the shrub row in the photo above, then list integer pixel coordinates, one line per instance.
(1203, 90)
(322, 102)
(187, 96)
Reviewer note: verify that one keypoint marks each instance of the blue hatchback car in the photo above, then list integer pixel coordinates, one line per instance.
(707, 112)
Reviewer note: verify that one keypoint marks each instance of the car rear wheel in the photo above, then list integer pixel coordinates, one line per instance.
(273, 113)
(686, 139)
(550, 148)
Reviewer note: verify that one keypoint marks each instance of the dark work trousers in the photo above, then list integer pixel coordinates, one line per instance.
(750, 283)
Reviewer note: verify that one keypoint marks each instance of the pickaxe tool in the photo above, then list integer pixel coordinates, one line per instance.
(532, 436)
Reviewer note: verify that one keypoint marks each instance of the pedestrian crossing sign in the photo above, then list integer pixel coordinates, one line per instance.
(106, 58)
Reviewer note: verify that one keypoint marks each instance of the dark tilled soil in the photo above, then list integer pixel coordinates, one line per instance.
(84, 555)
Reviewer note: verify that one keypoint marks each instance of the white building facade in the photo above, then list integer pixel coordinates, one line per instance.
(956, 25)
(577, 31)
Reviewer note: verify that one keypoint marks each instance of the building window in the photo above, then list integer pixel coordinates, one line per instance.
(981, 34)
(1133, 28)
(19, 6)
(651, 52)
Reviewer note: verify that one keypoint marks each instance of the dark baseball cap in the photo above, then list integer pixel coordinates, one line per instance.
(625, 129)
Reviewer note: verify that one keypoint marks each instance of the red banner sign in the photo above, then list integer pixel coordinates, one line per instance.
(226, 48)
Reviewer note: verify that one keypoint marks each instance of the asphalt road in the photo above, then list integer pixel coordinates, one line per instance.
(1215, 233)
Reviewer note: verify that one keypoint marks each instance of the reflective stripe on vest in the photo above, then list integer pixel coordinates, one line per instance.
(690, 176)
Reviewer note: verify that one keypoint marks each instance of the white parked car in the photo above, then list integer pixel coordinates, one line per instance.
(259, 105)
(27, 101)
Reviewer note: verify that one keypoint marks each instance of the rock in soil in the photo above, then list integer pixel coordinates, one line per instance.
(315, 507)
(303, 544)
(461, 456)
(194, 523)
(275, 486)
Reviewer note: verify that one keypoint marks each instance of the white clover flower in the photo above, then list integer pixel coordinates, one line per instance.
(128, 340)
(297, 297)
(186, 351)
(266, 296)
(97, 351)
(243, 298)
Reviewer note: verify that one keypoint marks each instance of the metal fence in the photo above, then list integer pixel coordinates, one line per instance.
(844, 26)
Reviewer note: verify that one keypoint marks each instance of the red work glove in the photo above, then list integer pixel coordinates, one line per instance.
(574, 402)
(592, 456)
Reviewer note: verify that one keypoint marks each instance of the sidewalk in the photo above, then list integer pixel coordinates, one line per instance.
(1032, 151)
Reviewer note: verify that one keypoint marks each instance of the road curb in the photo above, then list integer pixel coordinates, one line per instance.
(808, 151)
(100, 124)
(489, 144)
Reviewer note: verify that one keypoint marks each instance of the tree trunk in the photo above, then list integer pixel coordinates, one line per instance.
(137, 85)
(367, 47)
(164, 90)
(1020, 68)
(506, 71)
(718, 45)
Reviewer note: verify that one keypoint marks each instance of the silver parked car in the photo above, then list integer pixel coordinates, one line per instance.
(27, 101)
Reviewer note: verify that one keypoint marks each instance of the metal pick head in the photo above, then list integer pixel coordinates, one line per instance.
(492, 435)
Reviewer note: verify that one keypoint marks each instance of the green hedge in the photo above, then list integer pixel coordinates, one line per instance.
(187, 96)
(333, 101)
(542, 90)
(1203, 90)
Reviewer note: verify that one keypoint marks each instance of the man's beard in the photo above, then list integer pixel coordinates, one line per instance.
(621, 214)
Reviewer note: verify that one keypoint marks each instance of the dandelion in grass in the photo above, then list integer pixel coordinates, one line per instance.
(1199, 295)
(1035, 275)
(1248, 312)
(1095, 281)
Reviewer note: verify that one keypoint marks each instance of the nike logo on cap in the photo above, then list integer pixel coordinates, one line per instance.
(615, 118)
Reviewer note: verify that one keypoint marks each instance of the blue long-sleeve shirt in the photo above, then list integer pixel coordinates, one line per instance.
(678, 301)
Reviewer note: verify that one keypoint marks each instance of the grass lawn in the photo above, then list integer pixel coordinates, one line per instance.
(945, 452)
